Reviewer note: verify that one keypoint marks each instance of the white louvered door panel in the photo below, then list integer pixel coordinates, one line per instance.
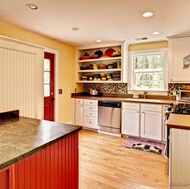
(151, 121)
(130, 118)
(21, 79)
(130, 122)
(179, 174)
(151, 125)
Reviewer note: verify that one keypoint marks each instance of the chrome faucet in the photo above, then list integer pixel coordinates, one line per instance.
(144, 94)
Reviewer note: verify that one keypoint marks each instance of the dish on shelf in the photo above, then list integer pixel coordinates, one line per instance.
(110, 66)
(99, 53)
(109, 52)
(104, 56)
(104, 78)
(115, 54)
(102, 66)
(94, 56)
(84, 77)
(103, 75)
(84, 67)
(84, 57)
(97, 75)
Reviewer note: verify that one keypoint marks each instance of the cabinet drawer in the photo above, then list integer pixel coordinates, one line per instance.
(91, 108)
(90, 122)
(90, 113)
(91, 102)
(130, 106)
(151, 107)
(79, 101)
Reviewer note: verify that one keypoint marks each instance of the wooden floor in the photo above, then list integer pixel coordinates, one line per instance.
(105, 164)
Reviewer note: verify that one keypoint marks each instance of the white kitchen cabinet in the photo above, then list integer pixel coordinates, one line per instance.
(79, 112)
(151, 121)
(120, 69)
(178, 49)
(130, 118)
(91, 114)
(179, 153)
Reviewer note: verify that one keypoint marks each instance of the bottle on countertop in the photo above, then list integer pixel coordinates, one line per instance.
(135, 95)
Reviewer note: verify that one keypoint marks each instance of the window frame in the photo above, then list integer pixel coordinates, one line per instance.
(165, 68)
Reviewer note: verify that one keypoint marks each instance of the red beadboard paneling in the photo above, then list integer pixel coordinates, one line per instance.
(54, 167)
(7, 178)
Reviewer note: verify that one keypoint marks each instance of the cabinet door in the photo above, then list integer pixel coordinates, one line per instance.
(130, 122)
(151, 123)
(79, 109)
(178, 49)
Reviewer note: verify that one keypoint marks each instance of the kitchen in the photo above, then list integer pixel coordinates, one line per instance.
(66, 75)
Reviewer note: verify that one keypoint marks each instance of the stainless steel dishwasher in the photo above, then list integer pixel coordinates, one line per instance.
(109, 116)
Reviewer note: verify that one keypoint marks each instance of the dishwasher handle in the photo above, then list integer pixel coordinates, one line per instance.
(109, 104)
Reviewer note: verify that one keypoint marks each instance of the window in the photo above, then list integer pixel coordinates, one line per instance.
(46, 77)
(148, 71)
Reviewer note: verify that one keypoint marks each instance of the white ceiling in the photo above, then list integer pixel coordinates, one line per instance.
(108, 20)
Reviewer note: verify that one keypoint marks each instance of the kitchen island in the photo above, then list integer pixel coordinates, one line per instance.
(38, 154)
(179, 153)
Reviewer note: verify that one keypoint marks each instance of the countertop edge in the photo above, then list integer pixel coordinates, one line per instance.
(131, 100)
(178, 121)
(22, 156)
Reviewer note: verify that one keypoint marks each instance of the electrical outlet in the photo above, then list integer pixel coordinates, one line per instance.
(69, 90)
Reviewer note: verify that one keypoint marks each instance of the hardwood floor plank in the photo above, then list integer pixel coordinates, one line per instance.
(105, 164)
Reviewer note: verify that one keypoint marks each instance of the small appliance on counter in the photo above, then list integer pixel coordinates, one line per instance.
(93, 92)
(184, 95)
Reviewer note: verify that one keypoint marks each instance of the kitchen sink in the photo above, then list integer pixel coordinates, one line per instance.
(143, 100)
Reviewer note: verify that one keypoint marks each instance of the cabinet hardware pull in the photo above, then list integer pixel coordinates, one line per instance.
(90, 114)
(90, 122)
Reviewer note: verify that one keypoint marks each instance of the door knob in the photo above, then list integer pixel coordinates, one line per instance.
(52, 99)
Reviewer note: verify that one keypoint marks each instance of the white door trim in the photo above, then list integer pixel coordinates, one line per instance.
(56, 73)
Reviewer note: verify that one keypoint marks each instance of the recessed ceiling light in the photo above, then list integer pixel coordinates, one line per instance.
(147, 14)
(32, 6)
(156, 33)
(75, 28)
(98, 40)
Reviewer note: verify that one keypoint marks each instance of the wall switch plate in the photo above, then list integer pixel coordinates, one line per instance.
(60, 91)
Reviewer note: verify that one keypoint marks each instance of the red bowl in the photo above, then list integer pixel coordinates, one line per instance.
(84, 57)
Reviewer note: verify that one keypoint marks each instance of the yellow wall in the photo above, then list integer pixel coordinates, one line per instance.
(66, 64)
(150, 45)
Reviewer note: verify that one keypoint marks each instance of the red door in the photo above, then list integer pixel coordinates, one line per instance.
(49, 86)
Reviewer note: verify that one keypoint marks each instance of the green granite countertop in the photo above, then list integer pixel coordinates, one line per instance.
(21, 137)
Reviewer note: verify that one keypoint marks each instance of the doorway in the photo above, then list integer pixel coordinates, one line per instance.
(49, 96)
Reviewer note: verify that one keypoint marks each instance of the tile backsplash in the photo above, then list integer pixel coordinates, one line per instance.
(121, 88)
(108, 88)
(175, 87)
